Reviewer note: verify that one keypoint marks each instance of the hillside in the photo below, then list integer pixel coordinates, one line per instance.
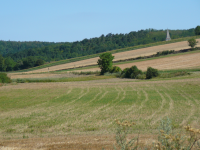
(59, 51)
(119, 56)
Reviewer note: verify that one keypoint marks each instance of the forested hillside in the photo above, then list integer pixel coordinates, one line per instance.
(27, 55)
(10, 47)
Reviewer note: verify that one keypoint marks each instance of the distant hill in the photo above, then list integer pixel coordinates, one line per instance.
(32, 51)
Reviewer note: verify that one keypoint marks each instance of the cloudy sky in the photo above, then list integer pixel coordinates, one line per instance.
(74, 20)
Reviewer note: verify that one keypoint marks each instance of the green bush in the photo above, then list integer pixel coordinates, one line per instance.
(115, 69)
(141, 76)
(4, 78)
(151, 72)
(133, 72)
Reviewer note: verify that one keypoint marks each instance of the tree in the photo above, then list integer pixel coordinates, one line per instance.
(151, 72)
(105, 62)
(9, 64)
(197, 30)
(192, 42)
(39, 62)
(2, 68)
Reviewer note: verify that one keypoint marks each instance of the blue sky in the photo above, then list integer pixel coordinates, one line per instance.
(74, 20)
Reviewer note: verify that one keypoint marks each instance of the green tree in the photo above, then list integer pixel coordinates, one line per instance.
(105, 62)
(197, 30)
(39, 62)
(2, 63)
(192, 42)
(9, 64)
(151, 72)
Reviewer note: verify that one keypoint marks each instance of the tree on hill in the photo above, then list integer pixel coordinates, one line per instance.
(197, 30)
(105, 62)
(192, 42)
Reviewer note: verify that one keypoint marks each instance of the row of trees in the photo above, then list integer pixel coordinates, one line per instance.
(8, 64)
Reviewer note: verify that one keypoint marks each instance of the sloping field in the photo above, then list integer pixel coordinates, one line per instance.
(121, 56)
(85, 111)
(173, 62)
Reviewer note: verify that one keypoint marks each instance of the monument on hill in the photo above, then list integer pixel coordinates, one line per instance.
(168, 36)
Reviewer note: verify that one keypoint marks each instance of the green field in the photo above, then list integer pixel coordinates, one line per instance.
(49, 109)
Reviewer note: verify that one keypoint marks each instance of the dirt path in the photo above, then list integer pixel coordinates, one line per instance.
(120, 56)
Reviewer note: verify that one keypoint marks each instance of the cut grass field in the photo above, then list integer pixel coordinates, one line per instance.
(34, 110)
(81, 114)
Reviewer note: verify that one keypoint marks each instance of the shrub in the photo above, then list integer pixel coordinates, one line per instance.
(151, 72)
(115, 69)
(4, 78)
(133, 72)
(141, 76)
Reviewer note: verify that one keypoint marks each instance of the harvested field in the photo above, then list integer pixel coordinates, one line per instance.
(121, 56)
(173, 62)
(74, 115)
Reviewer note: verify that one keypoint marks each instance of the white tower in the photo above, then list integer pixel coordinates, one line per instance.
(168, 36)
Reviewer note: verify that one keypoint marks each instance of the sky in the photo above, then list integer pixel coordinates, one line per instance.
(75, 20)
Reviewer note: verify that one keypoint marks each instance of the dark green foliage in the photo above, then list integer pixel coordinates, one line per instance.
(151, 72)
(9, 64)
(165, 52)
(29, 62)
(4, 78)
(39, 62)
(105, 62)
(197, 30)
(131, 72)
(192, 42)
(115, 69)
(2, 68)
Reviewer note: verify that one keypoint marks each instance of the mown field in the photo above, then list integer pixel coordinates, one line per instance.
(90, 107)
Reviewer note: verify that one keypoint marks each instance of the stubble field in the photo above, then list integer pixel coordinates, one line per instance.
(86, 110)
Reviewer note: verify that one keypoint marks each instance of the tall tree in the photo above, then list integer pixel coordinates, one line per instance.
(105, 62)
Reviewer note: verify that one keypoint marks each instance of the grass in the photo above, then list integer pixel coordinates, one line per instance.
(87, 78)
(113, 51)
(91, 108)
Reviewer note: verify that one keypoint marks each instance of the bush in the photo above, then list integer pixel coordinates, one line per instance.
(151, 72)
(141, 76)
(4, 78)
(115, 69)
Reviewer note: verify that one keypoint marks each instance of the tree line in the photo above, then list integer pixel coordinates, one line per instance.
(32, 51)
